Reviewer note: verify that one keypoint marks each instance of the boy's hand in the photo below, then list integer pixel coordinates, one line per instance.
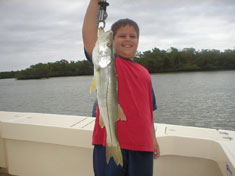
(156, 153)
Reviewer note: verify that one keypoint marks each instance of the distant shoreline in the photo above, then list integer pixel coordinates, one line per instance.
(182, 71)
(155, 61)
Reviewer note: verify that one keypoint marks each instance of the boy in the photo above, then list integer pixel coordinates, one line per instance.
(135, 95)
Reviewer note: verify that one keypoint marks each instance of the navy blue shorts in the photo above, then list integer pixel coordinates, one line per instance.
(135, 163)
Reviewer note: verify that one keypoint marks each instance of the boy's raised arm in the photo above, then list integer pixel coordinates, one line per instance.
(89, 30)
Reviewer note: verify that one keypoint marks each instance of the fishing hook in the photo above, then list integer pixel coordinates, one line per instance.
(102, 14)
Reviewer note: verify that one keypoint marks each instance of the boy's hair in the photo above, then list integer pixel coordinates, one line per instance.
(123, 22)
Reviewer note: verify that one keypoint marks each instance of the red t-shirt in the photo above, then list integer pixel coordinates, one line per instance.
(135, 98)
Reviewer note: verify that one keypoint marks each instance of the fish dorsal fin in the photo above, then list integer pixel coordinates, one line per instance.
(93, 85)
(121, 114)
(101, 121)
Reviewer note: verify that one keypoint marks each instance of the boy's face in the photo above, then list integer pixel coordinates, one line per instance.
(126, 42)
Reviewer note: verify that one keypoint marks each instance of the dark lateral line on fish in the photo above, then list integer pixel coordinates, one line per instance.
(110, 125)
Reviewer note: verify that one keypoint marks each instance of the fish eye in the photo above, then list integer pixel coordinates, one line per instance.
(108, 44)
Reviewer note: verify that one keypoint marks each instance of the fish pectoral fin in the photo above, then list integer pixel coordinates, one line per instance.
(101, 121)
(116, 153)
(93, 85)
(121, 114)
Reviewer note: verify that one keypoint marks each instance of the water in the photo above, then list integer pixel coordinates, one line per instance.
(201, 99)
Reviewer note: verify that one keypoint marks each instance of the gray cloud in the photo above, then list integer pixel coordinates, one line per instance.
(47, 31)
(33, 32)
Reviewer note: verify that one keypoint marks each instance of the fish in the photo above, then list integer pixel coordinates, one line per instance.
(106, 85)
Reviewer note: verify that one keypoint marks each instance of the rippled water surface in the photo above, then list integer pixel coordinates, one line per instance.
(202, 99)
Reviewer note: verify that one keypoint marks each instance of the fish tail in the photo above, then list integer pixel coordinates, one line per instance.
(115, 152)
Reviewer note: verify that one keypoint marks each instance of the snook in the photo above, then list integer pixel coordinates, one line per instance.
(105, 83)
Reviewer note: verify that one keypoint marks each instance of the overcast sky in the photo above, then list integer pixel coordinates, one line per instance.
(33, 31)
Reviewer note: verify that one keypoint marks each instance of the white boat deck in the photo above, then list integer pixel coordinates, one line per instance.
(33, 144)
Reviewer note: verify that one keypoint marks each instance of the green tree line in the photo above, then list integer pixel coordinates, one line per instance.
(59, 68)
(188, 59)
(154, 60)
